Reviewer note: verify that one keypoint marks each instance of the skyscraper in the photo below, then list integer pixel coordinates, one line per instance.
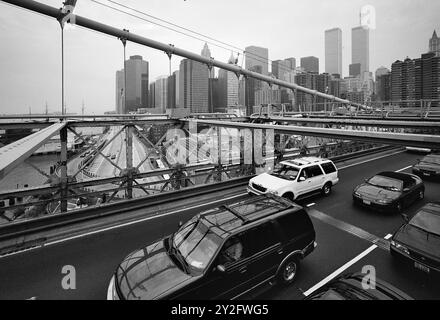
(434, 44)
(333, 51)
(207, 54)
(310, 64)
(279, 68)
(193, 86)
(291, 63)
(383, 84)
(228, 86)
(173, 91)
(161, 98)
(136, 87)
(360, 48)
(257, 56)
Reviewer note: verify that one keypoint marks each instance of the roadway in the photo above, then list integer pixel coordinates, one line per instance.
(37, 273)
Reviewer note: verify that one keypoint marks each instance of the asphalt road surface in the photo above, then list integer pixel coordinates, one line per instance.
(345, 236)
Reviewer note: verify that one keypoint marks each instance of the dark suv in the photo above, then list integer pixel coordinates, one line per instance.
(222, 253)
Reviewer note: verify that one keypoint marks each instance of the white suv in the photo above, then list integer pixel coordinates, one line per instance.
(297, 178)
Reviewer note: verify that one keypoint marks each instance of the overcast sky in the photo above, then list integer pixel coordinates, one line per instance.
(30, 58)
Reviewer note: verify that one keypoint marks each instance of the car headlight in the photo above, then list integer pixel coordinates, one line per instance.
(384, 201)
(398, 246)
(357, 194)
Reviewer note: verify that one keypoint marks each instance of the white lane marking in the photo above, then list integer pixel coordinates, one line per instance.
(343, 268)
(123, 225)
(311, 205)
(403, 169)
(369, 160)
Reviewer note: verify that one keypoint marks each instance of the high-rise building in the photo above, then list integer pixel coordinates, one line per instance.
(310, 64)
(257, 56)
(333, 51)
(383, 84)
(291, 63)
(207, 54)
(360, 48)
(279, 67)
(434, 44)
(151, 96)
(161, 94)
(403, 82)
(354, 70)
(252, 86)
(173, 91)
(430, 78)
(136, 86)
(214, 98)
(228, 86)
(415, 79)
(193, 86)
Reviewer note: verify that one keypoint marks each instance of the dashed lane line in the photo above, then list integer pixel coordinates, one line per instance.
(337, 272)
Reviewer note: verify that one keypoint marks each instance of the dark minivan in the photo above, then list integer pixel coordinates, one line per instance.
(223, 253)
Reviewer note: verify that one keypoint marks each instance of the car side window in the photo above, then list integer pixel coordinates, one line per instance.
(328, 167)
(232, 251)
(303, 174)
(409, 184)
(314, 171)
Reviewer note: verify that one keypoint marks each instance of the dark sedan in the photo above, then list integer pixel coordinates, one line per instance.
(428, 167)
(418, 240)
(389, 191)
(349, 287)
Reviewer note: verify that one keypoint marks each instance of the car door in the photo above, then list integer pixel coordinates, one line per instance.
(314, 179)
(266, 254)
(236, 275)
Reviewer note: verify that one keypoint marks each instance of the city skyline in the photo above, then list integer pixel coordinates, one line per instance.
(97, 88)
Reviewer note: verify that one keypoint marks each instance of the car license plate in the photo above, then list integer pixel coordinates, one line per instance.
(421, 267)
(367, 202)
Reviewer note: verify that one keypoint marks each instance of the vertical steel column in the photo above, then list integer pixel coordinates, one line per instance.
(129, 159)
(63, 167)
(219, 147)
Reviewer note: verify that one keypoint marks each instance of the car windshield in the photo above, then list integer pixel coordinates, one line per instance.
(427, 221)
(386, 183)
(431, 160)
(286, 172)
(196, 244)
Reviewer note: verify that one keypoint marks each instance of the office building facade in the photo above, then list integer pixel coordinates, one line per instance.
(333, 51)
(257, 56)
(360, 48)
(310, 64)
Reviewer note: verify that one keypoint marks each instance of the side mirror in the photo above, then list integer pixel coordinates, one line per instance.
(301, 179)
(221, 268)
(405, 217)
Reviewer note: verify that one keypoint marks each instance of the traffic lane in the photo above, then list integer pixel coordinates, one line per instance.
(331, 253)
(415, 283)
(340, 204)
(38, 273)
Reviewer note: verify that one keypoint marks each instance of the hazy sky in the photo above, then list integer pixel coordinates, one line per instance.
(30, 56)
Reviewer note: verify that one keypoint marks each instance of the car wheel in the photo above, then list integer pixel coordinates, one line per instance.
(327, 189)
(421, 194)
(288, 271)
